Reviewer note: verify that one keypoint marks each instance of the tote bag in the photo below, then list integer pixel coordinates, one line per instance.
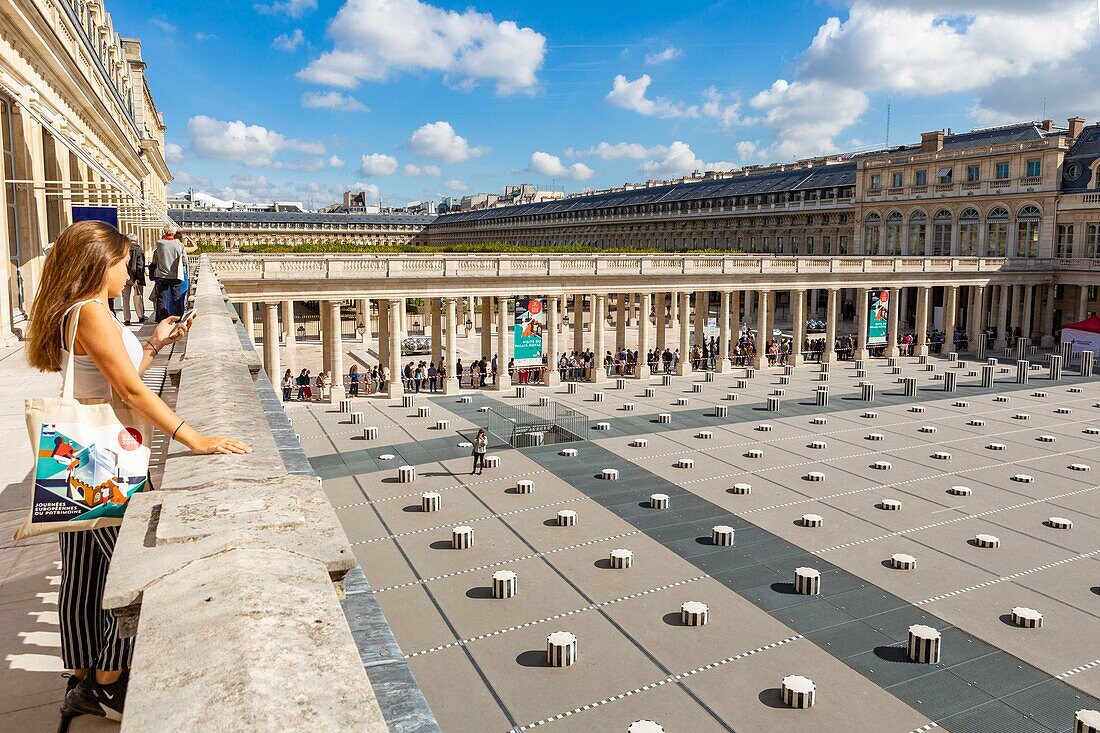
(89, 458)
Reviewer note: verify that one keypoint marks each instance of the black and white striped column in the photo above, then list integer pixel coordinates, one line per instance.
(649, 392)
(798, 692)
(658, 501)
(721, 410)
(812, 520)
(567, 518)
(750, 373)
(525, 486)
(950, 381)
(987, 376)
(408, 400)
(462, 537)
(1086, 363)
(910, 385)
(721, 535)
(1027, 618)
(822, 396)
(571, 388)
(1055, 366)
(924, 644)
(504, 584)
(980, 351)
(902, 561)
(561, 649)
(356, 418)
(424, 411)
(1023, 371)
(1067, 353)
(620, 383)
(345, 405)
(1086, 721)
(521, 392)
(406, 474)
(622, 559)
(694, 613)
(1021, 347)
(773, 404)
(430, 501)
(868, 392)
(807, 581)
(666, 380)
(370, 432)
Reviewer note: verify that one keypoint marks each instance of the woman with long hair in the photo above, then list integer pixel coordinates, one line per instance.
(481, 445)
(81, 273)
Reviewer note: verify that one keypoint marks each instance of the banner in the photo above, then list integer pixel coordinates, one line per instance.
(530, 324)
(878, 320)
(108, 214)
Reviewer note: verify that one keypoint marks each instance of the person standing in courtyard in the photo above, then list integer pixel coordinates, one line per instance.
(132, 293)
(169, 269)
(481, 445)
(71, 321)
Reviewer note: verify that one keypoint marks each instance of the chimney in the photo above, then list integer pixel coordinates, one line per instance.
(1047, 125)
(931, 142)
(1076, 127)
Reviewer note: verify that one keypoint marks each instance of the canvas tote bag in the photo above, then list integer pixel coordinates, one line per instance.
(89, 458)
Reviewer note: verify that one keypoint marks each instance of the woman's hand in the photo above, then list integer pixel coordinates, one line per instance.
(169, 331)
(217, 444)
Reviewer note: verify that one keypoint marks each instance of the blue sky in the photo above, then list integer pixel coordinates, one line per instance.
(409, 99)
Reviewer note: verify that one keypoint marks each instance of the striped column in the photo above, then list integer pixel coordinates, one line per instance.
(910, 384)
(721, 535)
(424, 411)
(356, 418)
(721, 410)
(370, 432)
(1067, 352)
(567, 518)
(868, 392)
(1021, 347)
(504, 584)
(622, 559)
(345, 405)
(1086, 721)
(1055, 366)
(1027, 618)
(950, 380)
(822, 396)
(659, 501)
(406, 474)
(807, 581)
(462, 537)
(798, 692)
(987, 376)
(902, 561)
(980, 351)
(430, 501)
(694, 613)
(408, 400)
(924, 644)
(561, 649)
(1023, 370)
(1086, 363)
(525, 486)
(773, 404)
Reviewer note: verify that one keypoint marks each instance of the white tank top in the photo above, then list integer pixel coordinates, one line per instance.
(88, 382)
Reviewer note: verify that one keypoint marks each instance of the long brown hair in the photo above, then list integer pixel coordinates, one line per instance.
(74, 269)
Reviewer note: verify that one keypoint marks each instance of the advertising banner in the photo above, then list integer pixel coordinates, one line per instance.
(108, 214)
(878, 304)
(530, 325)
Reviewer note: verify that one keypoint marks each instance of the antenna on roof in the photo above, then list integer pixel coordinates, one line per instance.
(1044, 108)
(887, 124)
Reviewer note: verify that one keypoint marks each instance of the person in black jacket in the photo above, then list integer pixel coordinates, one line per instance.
(135, 284)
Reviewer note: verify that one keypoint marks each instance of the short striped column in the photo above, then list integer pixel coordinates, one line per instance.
(721, 410)
(1086, 363)
(868, 392)
(1027, 618)
(922, 359)
(821, 396)
(731, 396)
(891, 361)
(649, 392)
(645, 726)
(788, 370)
(950, 381)
(910, 385)
(902, 561)
(987, 541)
(890, 505)
(721, 535)
(442, 424)
(708, 377)
(525, 486)
(741, 489)
(356, 418)
(370, 432)
(952, 356)
(924, 644)
(812, 520)
(1060, 523)
(861, 373)
(430, 501)
(666, 380)
(545, 401)
(798, 692)
(571, 388)
(785, 380)
(628, 407)
(822, 376)
(620, 383)
(858, 364)
(773, 404)
(622, 559)
(609, 474)
(1086, 721)
(567, 518)
(504, 584)
(741, 383)
(521, 392)
(424, 411)
(658, 501)
(807, 581)
(465, 400)
(639, 443)
(345, 405)
(696, 387)
(408, 400)
(1067, 352)
(492, 461)
(1055, 362)
(823, 367)
(561, 649)
(1023, 370)
(694, 613)
(406, 474)
(987, 376)
(597, 396)
(664, 418)
(462, 537)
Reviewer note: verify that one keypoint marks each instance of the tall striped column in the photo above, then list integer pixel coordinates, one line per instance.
(1067, 353)
(980, 351)
(987, 376)
(1055, 366)
(910, 384)
(1086, 363)
(949, 381)
(822, 396)
(1023, 369)
(1021, 347)
(504, 584)
(868, 392)
(561, 649)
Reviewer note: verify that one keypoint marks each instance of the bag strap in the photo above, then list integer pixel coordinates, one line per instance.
(70, 343)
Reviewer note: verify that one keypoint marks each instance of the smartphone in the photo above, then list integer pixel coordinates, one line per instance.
(188, 316)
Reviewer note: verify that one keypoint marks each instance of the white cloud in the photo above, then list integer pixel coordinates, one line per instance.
(371, 189)
(551, 165)
(200, 36)
(747, 150)
(455, 185)
(335, 161)
(289, 41)
(804, 117)
(411, 170)
(660, 57)
(290, 8)
(607, 151)
(186, 179)
(173, 153)
(631, 95)
(164, 25)
(334, 101)
(721, 107)
(306, 164)
(439, 141)
(378, 164)
(678, 160)
(241, 142)
(375, 39)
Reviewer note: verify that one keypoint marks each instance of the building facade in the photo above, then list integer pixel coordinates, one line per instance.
(79, 128)
(231, 230)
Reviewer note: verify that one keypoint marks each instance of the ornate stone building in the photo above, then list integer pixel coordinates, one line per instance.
(79, 128)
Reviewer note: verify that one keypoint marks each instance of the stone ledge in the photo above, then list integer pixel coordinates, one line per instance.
(250, 640)
(167, 531)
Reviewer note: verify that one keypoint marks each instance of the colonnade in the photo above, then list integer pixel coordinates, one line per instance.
(970, 308)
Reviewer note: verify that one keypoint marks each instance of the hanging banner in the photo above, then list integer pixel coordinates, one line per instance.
(108, 214)
(878, 320)
(530, 324)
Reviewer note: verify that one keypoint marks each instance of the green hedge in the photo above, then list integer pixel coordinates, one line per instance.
(483, 248)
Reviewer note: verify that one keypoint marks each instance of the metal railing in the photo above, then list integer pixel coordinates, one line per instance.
(533, 425)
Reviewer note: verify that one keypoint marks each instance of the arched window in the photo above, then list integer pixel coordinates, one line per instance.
(968, 232)
(941, 233)
(918, 233)
(1027, 231)
(996, 241)
(872, 232)
(893, 233)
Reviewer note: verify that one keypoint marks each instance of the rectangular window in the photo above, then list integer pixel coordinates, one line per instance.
(895, 180)
(1002, 170)
(876, 182)
(973, 173)
(1092, 241)
(844, 244)
(1034, 168)
(921, 178)
(1063, 245)
(944, 175)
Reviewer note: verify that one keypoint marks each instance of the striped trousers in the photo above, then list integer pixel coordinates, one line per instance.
(89, 634)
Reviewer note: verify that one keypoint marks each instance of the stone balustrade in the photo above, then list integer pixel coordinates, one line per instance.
(232, 573)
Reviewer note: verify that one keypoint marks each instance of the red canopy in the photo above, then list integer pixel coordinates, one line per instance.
(1090, 324)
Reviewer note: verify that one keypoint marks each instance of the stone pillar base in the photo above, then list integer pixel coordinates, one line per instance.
(921, 350)
(893, 351)
(723, 366)
(862, 354)
(683, 368)
(553, 378)
(829, 357)
(450, 385)
(599, 374)
(395, 388)
(503, 382)
(761, 361)
(797, 360)
(336, 393)
(1047, 342)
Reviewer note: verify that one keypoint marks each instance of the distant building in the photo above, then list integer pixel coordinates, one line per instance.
(233, 229)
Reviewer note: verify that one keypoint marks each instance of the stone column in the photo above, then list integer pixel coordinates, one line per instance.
(721, 359)
(396, 387)
(271, 344)
(620, 320)
(831, 316)
(291, 338)
(894, 316)
(450, 354)
(578, 322)
(684, 309)
(362, 308)
(1014, 316)
(487, 326)
(773, 297)
(1025, 316)
(981, 313)
(863, 317)
(383, 332)
(553, 322)
(324, 325)
(702, 305)
(249, 321)
(950, 314)
(561, 315)
(924, 297)
(903, 305)
(798, 326)
(735, 316)
(1048, 316)
(763, 298)
(599, 329)
(1082, 302)
(1002, 317)
(659, 315)
(504, 340)
(435, 306)
(642, 370)
(336, 353)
